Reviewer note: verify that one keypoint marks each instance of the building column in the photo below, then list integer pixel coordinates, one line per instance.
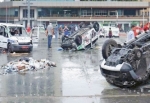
(21, 13)
(137, 13)
(123, 26)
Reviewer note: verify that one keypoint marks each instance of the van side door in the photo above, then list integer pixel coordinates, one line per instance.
(4, 37)
(1, 36)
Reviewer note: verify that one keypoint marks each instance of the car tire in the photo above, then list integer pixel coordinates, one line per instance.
(106, 50)
(138, 53)
(9, 48)
(78, 40)
(96, 26)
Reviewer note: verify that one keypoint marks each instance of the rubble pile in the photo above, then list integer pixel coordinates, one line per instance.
(26, 64)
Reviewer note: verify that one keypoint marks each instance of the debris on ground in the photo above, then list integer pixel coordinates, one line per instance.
(2, 50)
(26, 64)
(60, 49)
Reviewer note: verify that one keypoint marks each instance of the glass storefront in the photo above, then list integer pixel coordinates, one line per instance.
(57, 12)
(83, 12)
(10, 12)
(25, 13)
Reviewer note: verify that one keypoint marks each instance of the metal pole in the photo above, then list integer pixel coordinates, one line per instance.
(6, 11)
(143, 16)
(149, 14)
(28, 13)
(91, 12)
(117, 17)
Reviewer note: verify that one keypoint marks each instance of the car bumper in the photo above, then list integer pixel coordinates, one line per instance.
(122, 74)
(16, 47)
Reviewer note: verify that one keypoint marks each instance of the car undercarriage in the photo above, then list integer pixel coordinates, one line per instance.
(126, 65)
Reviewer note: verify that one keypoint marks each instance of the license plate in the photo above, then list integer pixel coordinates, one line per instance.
(24, 47)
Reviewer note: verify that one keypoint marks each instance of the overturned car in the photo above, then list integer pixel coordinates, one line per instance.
(128, 64)
(83, 38)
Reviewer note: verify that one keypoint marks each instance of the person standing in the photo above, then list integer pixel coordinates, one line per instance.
(60, 31)
(49, 33)
(66, 31)
(76, 28)
(130, 34)
(110, 33)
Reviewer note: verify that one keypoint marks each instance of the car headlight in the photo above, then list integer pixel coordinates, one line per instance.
(15, 42)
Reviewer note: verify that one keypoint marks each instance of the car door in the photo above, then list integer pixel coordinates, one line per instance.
(1, 36)
(4, 37)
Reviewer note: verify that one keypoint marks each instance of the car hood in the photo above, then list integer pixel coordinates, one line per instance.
(21, 39)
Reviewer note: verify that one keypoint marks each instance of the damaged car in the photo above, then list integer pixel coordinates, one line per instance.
(14, 38)
(127, 64)
(83, 38)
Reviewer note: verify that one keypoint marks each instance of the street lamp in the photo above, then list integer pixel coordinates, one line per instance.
(143, 16)
(6, 10)
(149, 14)
(117, 17)
(28, 13)
(28, 10)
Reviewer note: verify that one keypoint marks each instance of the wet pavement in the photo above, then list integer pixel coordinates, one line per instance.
(76, 79)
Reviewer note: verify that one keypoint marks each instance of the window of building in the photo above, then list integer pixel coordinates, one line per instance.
(100, 12)
(16, 13)
(25, 13)
(86, 12)
(131, 12)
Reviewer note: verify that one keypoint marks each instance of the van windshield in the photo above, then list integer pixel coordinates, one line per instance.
(17, 31)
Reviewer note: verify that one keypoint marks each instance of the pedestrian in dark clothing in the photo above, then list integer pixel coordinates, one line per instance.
(72, 29)
(60, 31)
(110, 33)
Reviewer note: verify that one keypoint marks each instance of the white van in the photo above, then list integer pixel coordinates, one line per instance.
(115, 31)
(37, 33)
(14, 37)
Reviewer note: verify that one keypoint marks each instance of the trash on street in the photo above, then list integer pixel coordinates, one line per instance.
(26, 64)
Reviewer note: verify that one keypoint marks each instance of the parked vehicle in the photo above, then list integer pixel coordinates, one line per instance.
(128, 64)
(37, 33)
(115, 31)
(14, 37)
(83, 38)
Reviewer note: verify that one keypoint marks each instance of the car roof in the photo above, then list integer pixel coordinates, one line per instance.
(11, 24)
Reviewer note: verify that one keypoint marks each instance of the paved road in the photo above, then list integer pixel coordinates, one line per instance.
(76, 79)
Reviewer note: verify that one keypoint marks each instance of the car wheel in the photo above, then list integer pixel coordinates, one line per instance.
(143, 71)
(9, 48)
(96, 26)
(107, 47)
(78, 40)
(138, 53)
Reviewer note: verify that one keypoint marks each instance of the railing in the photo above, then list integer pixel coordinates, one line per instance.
(4, 17)
(95, 17)
(81, 17)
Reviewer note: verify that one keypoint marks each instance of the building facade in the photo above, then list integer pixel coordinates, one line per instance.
(73, 11)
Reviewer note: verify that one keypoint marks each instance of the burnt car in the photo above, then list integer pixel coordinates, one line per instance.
(83, 38)
(127, 64)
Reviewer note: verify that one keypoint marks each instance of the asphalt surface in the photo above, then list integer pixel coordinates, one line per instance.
(76, 79)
